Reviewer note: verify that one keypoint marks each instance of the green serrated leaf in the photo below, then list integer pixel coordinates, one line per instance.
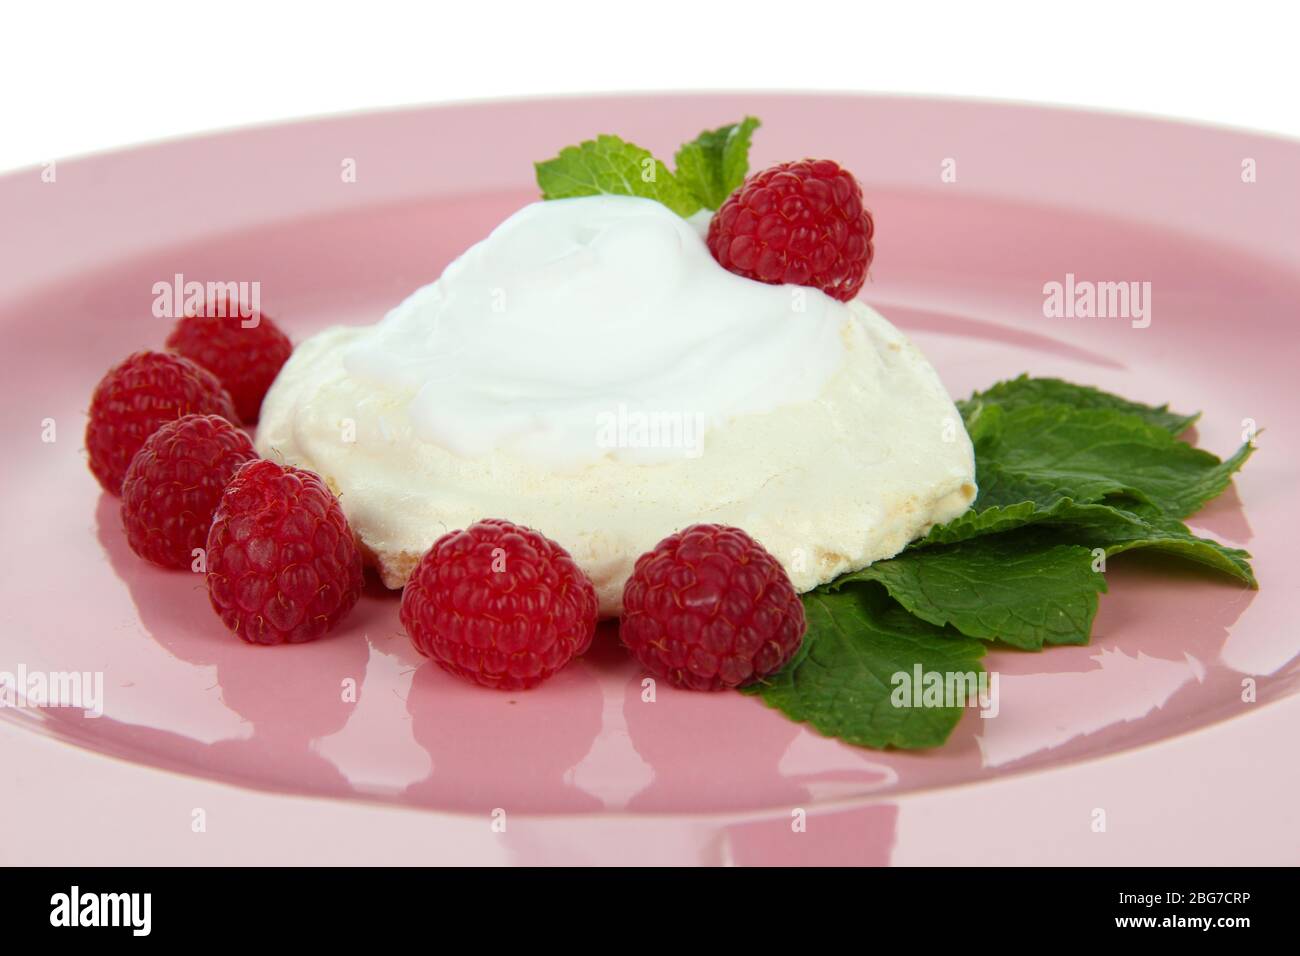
(1109, 526)
(992, 520)
(1022, 391)
(1020, 587)
(713, 164)
(1045, 453)
(843, 680)
(1117, 530)
(609, 165)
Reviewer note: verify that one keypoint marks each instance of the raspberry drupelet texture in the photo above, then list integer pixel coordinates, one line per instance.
(801, 223)
(174, 483)
(500, 605)
(283, 567)
(143, 391)
(246, 354)
(709, 608)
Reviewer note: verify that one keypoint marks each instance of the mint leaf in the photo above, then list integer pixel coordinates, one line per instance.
(1044, 453)
(1023, 588)
(842, 680)
(1108, 526)
(713, 164)
(991, 520)
(1022, 391)
(608, 165)
(1117, 531)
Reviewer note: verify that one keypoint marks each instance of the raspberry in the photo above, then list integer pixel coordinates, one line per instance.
(245, 359)
(800, 223)
(283, 567)
(174, 484)
(500, 605)
(143, 391)
(709, 608)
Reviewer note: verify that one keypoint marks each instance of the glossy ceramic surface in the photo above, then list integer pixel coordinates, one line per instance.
(961, 265)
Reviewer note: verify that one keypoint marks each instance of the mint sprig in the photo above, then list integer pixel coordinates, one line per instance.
(713, 164)
(709, 168)
(609, 165)
(1066, 473)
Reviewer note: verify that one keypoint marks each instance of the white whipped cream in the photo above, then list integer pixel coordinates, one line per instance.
(829, 437)
(596, 327)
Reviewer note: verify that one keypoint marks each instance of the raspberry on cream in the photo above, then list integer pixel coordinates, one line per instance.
(801, 223)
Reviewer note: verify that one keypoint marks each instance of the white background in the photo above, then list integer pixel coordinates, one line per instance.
(78, 77)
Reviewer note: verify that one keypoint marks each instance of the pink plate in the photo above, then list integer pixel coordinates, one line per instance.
(977, 206)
